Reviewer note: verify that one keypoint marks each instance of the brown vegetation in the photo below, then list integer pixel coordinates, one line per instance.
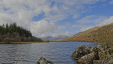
(102, 34)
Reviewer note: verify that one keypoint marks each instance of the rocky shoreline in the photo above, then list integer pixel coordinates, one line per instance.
(93, 55)
(84, 54)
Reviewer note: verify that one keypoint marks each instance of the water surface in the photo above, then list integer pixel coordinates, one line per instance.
(57, 52)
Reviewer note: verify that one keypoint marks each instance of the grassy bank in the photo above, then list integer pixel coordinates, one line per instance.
(22, 42)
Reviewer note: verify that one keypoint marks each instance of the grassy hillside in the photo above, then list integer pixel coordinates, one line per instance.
(97, 34)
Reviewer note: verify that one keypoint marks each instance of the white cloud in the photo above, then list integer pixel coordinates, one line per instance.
(61, 27)
(103, 0)
(67, 24)
(101, 23)
(76, 15)
(92, 19)
(41, 27)
(111, 2)
(73, 26)
(62, 33)
(5, 18)
(23, 11)
(57, 34)
(105, 22)
(86, 28)
(65, 7)
(76, 2)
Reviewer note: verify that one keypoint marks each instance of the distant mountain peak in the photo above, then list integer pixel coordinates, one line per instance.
(55, 38)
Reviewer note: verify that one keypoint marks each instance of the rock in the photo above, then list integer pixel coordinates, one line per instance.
(97, 61)
(110, 61)
(100, 47)
(81, 51)
(88, 59)
(95, 50)
(44, 61)
(102, 55)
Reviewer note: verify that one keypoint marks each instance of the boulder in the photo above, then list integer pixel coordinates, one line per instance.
(97, 61)
(110, 61)
(100, 47)
(102, 55)
(44, 61)
(88, 59)
(81, 51)
(95, 50)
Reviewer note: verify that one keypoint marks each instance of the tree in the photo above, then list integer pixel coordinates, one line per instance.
(2, 30)
(7, 28)
(15, 33)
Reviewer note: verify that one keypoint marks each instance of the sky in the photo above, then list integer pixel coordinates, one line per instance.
(56, 17)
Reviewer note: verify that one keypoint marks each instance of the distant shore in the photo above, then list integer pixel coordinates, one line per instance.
(22, 42)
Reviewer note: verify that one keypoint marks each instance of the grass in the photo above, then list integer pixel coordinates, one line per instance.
(89, 36)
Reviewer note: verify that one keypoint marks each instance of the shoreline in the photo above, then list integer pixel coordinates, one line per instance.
(22, 42)
(93, 55)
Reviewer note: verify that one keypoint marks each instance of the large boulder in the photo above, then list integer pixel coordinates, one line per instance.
(88, 59)
(81, 51)
(44, 61)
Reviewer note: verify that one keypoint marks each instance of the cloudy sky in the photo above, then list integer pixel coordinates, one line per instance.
(56, 17)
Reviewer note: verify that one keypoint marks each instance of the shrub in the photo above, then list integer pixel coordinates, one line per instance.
(8, 40)
(110, 51)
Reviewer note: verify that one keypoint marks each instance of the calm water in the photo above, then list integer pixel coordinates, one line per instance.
(57, 52)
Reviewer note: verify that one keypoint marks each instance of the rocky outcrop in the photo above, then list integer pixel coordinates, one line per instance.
(81, 51)
(93, 55)
(88, 59)
(110, 61)
(44, 61)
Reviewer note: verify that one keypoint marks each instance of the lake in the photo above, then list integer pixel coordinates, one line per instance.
(57, 52)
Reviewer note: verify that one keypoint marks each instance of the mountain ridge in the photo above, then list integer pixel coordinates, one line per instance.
(54, 38)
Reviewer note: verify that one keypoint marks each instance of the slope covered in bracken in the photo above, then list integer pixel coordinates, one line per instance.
(97, 34)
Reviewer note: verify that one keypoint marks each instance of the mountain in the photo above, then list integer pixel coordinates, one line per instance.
(55, 38)
(92, 35)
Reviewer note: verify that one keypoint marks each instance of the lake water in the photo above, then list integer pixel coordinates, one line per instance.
(57, 52)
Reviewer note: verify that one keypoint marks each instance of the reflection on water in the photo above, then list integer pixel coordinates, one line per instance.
(57, 52)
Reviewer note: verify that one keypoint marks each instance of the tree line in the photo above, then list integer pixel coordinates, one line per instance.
(14, 33)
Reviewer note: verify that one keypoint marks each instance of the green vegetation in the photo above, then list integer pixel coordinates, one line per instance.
(13, 33)
(110, 51)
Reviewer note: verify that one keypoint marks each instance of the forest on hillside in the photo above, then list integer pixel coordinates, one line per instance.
(14, 33)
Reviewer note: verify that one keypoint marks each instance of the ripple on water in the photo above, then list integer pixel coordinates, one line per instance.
(57, 52)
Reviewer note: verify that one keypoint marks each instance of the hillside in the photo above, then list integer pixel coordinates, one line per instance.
(95, 34)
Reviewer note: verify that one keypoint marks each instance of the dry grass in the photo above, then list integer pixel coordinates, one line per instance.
(89, 35)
